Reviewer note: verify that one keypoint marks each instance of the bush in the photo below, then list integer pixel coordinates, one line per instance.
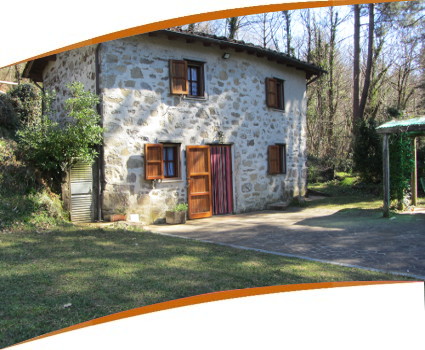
(52, 147)
(26, 101)
(401, 166)
(8, 117)
(367, 155)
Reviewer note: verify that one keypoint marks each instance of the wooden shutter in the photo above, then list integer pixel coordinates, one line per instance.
(178, 77)
(154, 165)
(271, 92)
(274, 159)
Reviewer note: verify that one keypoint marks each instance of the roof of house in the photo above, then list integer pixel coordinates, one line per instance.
(241, 46)
(34, 69)
(413, 125)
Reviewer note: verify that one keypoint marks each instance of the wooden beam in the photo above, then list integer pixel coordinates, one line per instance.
(414, 183)
(386, 174)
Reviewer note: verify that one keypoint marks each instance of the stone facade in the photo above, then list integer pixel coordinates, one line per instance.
(70, 66)
(137, 108)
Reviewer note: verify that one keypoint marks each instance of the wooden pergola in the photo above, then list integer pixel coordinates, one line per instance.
(413, 128)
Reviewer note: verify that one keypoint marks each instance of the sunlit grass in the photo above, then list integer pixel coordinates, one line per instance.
(53, 279)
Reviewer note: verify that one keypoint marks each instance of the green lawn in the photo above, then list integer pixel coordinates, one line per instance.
(57, 278)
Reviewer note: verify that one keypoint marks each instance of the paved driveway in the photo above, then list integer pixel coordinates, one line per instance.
(351, 237)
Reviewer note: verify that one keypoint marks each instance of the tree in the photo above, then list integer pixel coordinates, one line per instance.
(52, 147)
(356, 65)
(233, 25)
(287, 15)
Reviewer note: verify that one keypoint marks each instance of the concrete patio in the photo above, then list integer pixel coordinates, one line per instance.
(350, 237)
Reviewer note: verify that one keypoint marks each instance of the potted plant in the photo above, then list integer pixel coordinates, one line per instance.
(119, 216)
(177, 215)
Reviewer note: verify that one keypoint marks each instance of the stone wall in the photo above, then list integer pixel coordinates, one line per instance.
(138, 108)
(70, 66)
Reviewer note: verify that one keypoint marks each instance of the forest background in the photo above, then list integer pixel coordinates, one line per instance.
(375, 61)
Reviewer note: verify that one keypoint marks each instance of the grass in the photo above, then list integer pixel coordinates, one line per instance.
(102, 271)
(347, 192)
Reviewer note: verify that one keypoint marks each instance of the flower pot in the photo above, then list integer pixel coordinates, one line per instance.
(175, 217)
(118, 217)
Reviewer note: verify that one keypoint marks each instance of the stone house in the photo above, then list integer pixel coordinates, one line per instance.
(189, 117)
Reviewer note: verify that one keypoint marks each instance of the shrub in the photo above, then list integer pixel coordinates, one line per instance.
(401, 166)
(8, 118)
(26, 101)
(52, 147)
(367, 155)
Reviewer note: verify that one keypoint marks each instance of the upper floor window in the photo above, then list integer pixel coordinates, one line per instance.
(275, 96)
(187, 78)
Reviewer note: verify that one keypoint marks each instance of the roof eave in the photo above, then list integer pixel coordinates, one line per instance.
(279, 57)
(34, 69)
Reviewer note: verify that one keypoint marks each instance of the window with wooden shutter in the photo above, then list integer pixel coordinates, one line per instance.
(195, 77)
(154, 165)
(274, 159)
(171, 159)
(271, 92)
(178, 77)
(277, 159)
(275, 93)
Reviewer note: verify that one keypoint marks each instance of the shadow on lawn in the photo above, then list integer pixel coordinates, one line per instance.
(372, 218)
(361, 201)
(56, 279)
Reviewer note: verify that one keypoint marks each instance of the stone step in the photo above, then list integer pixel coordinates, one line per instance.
(278, 205)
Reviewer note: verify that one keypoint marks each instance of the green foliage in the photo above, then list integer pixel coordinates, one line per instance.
(368, 152)
(8, 117)
(15, 177)
(401, 166)
(180, 207)
(24, 202)
(53, 147)
(26, 100)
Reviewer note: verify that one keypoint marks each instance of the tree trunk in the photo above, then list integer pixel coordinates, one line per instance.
(331, 84)
(369, 62)
(356, 65)
(233, 26)
(287, 18)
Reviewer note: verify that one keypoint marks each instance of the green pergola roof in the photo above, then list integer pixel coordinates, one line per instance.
(413, 125)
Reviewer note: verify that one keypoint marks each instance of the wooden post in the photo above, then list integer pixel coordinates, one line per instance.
(386, 173)
(414, 183)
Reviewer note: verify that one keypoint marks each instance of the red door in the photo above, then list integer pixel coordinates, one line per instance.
(199, 181)
(221, 178)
